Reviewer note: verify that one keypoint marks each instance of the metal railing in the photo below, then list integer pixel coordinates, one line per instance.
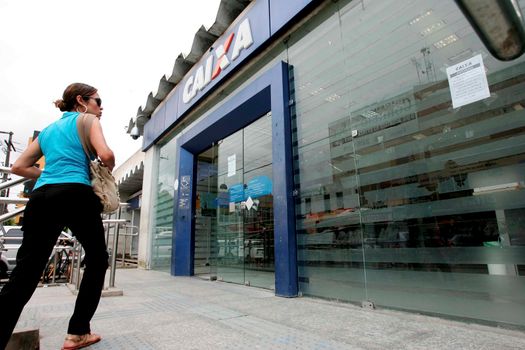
(76, 258)
(4, 201)
(72, 260)
(129, 231)
(77, 264)
(113, 251)
(118, 222)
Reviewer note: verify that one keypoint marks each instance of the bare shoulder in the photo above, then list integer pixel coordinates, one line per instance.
(90, 117)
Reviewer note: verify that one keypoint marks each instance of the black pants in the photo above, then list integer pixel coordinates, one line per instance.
(49, 210)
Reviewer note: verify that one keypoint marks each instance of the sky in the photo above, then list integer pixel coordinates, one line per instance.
(122, 48)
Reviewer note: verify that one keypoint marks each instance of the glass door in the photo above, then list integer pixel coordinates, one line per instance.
(205, 214)
(234, 208)
(258, 209)
(230, 226)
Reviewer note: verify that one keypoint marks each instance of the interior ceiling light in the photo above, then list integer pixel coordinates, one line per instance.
(370, 114)
(420, 17)
(446, 41)
(432, 28)
(499, 24)
(333, 98)
(316, 91)
(498, 188)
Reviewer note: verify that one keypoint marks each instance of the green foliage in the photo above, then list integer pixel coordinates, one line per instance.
(9, 222)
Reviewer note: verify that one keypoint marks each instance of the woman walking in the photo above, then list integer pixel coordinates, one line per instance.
(62, 197)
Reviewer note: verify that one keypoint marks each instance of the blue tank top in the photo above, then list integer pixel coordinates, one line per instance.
(66, 161)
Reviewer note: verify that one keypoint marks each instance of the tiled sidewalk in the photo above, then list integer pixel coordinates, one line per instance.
(159, 311)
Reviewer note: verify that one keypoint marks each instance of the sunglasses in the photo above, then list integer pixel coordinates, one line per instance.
(98, 100)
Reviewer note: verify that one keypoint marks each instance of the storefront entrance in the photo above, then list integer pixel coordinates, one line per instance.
(234, 223)
(234, 214)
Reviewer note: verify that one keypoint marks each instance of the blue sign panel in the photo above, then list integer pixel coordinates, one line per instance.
(243, 37)
(281, 12)
(236, 193)
(223, 199)
(254, 27)
(259, 186)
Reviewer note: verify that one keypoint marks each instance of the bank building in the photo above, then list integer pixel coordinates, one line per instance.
(371, 152)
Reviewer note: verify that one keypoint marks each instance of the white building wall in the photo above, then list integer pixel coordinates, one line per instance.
(149, 186)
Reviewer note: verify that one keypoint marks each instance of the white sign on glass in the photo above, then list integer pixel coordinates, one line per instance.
(468, 82)
(232, 160)
(249, 203)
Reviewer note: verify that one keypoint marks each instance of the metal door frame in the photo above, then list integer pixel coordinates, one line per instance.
(269, 92)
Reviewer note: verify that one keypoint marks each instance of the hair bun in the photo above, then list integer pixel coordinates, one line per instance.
(60, 104)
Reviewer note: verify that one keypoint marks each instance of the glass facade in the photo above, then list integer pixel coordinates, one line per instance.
(401, 199)
(404, 200)
(162, 228)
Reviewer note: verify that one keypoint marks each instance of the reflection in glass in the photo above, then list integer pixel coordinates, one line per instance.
(234, 208)
(162, 237)
(404, 200)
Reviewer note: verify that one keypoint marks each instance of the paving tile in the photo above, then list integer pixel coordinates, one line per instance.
(159, 311)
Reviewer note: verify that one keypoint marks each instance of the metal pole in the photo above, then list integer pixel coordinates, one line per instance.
(114, 255)
(122, 206)
(4, 201)
(124, 249)
(78, 251)
(3, 207)
(107, 230)
(12, 214)
(8, 153)
(14, 200)
(55, 258)
(132, 237)
(12, 183)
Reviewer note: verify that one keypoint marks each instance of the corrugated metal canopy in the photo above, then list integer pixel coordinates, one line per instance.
(132, 181)
(203, 40)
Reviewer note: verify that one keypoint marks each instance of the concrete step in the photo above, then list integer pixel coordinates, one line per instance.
(24, 339)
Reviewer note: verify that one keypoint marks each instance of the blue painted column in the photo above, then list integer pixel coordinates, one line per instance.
(284, 206)
(183, 245)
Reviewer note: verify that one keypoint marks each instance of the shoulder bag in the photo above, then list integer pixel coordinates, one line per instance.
(102, 180)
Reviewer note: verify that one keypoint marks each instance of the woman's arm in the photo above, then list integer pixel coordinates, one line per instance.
(24, 165)
(96, 137)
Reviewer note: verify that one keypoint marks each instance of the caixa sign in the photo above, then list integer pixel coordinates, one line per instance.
(218, 60)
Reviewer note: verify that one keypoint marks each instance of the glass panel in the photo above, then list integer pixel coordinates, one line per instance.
(330, 256)
(230, 227)
(427, 198)
(163, 210)
(258, 212)
(436, 183)
(206, 206)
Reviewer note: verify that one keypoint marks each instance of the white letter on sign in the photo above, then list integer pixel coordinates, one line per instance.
(198, 84)
(189, 91)
(207, 74)
(243, 40)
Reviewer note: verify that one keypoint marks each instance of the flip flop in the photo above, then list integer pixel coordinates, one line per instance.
(74, 342)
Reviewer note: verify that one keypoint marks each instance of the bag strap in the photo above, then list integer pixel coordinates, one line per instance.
(84, 123)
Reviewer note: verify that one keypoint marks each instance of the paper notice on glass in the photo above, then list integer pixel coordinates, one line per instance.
(231, 165)
(468, 82)
(232, 207)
